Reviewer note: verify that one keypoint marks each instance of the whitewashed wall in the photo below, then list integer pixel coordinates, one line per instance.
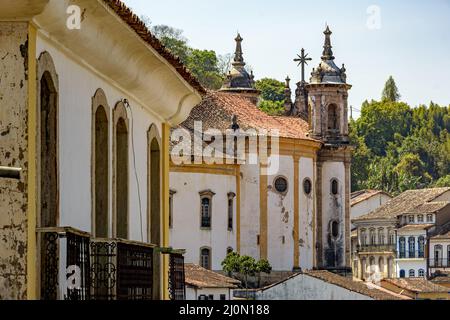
(305, 287)
(280, 212)
(369, 205)
(186, 232)
(250, 210)
(333, 207)
(306, 208)
(77, 85)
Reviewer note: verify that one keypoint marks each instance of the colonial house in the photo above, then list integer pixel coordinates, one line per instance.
(392, 240)
(284, 193)
(439, 252)
(203, 284)
(88, 96)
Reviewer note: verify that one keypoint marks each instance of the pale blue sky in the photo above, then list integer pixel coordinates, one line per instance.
(413, 43)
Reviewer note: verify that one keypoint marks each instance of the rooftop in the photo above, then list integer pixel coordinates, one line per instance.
(407, 202)
(199, 277)
(355, 286)
(144, 33)
(417, 285)
(218, 108)
(360, 196)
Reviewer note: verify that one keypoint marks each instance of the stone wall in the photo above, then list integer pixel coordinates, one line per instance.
(13, 152)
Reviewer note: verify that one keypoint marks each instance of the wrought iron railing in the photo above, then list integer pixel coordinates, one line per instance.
(76, 267)
(121, 270)
(65, 265)
(439, 263)
(177, 289)
(376, 248)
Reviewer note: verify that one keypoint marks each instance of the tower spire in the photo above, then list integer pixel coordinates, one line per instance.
(238, 56)
(327, 48)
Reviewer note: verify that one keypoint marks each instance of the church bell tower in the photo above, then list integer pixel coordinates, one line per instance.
(327, 94)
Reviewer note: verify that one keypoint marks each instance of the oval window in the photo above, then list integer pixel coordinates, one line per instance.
(307, 186)
(281, 185)
(334, 187)
(335, 229)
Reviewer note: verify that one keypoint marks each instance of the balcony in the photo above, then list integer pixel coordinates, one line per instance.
(411, 255)
(76, 267)
(376, 248)
(439, 263)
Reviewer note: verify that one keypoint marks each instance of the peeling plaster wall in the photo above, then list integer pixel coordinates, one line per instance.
(186, 232)
(333, 208)
(13, 152)
(281, 218)
(306, 208)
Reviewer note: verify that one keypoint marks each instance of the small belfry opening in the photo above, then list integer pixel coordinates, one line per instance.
(121, 179)
(48, 153)
(101, 173)
(333, 118)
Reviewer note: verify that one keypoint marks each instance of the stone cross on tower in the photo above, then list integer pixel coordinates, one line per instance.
(302, 60)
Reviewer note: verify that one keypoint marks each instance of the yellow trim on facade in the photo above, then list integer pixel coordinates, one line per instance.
(238, 209)
(263, 192)
(219, 169)
(296, 160)
(32, 293)
(165, 189)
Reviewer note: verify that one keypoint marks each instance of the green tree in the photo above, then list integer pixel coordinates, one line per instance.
(273, 108)
(204, 64)
(443, 182)
(231, 264)
(262, 266)
(271, 89)
(390, 91)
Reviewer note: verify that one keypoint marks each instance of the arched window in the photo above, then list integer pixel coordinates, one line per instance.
(100, 156)
(363, 268)
(381, 264)
(412, 273)
(412, 247)
(402, 247)
(335, 229)
(48, 142)
(363, 237)
(438, 257)
(333, 118)
(391, 236)
(430, 218)
(372, 262)
(334, 187)
(402, 274)
(373, 237)
(205, 258)
(421, 247)
(121, 171)
(421, 273)
(381, 236)
(420, 218)
(229, 250)
(231, 197)
(206, 209)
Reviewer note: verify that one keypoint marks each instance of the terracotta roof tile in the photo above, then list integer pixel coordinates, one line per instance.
(142, 31)
(217, 109)
(413, 227)
(431, 207)
(419, 285)
(404, 203)
(199, 277)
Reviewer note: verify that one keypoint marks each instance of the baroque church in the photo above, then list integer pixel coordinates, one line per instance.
(298, 216)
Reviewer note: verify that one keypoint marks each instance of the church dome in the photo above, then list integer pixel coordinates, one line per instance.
(238, 78)
(328, 71)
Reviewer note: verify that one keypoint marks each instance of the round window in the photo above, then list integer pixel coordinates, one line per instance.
(307, 186)
(281, 185)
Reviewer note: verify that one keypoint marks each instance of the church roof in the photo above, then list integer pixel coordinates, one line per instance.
(218, 108)
(144, 33)
(413, 201)
(238, 78)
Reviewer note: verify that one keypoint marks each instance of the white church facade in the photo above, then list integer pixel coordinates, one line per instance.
(296, 216)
